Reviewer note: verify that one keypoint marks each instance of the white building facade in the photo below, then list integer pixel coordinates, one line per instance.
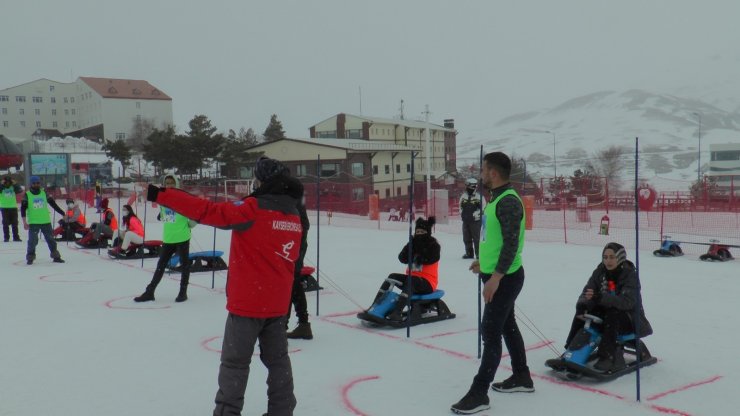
(724, 166)
(93, 107)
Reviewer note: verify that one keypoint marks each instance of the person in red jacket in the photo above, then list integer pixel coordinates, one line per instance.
(265, 241)
(131, 231)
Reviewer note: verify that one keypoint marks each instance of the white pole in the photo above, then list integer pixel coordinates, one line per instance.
(428, 153)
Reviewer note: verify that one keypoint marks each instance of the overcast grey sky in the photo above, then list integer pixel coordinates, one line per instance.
(475, 61)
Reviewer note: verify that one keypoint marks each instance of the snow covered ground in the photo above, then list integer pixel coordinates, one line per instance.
(74, 343)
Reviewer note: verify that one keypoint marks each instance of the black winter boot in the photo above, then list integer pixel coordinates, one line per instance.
(183, 295)
(147, 296)
(30, 258)
(302, 331)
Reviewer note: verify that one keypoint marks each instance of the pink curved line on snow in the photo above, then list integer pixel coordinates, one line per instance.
(109, 304)
(345, 394)
(205, 345)
(684, 387)
(45, 278)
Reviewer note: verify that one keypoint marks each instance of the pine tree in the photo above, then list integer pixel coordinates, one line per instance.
(274, 130)
(119, 151)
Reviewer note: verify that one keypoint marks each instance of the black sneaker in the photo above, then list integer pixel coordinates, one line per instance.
(17, 239)
(471, 403)
(58, 260)
(467, 256)
(517, 383)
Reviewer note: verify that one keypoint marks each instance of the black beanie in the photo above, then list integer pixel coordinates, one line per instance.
(268, 169)
(618, 250)
(426, 224)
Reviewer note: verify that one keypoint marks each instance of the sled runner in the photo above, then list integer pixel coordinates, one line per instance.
(149, 249)
(578, 361)
(201, 261)
(424, 309)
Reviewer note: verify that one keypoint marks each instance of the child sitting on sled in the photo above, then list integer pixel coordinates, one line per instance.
(611, 294)
(424, 267)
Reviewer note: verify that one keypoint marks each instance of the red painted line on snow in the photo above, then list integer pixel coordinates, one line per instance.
(553, 380)
(340, 314)
(45, 278)
(541, 344)
(109, 304)
(345, 393)
(444, 334)
(685, 387)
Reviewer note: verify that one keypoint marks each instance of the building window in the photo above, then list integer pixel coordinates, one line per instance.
(408, 167)
(329, 169)
(66, 124)
(73, 111)
(66, 112)
(20, 98)
(398, 191)
(300, 170)
(38, 124)
(21, 111)
(387, 193)
(327, 134)
(138, 117)
(138, 104)
(398, 168)
(74, 124)
(4, 98)
(71, 99)
(38, 100)
(5, 124)
(53, 111)
(53, 100)
(387, 169)
(23, 124)
(51, 88)
(375, 169)
(120, 136)
(358, 169)
(353, 134)
(37, 112)
(5, 110)
(54, 124)
(358, 194)
(66, 100)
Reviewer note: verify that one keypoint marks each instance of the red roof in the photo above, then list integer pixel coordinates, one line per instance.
(125, 88)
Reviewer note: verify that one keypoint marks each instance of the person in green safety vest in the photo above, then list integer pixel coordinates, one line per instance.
(500, 269)
(35, 214)
(175, 239)
(9, 206)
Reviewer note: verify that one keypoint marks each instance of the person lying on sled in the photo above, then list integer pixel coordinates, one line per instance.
(131, 230)
(610, 294)
(424, 266)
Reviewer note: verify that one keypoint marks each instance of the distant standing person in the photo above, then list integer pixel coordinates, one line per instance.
(500, 269)
(35, 207)
(9, 207)
(298, 294)
(470, 213)
(175, 239)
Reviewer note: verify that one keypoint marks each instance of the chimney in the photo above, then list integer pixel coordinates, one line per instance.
(449, 123)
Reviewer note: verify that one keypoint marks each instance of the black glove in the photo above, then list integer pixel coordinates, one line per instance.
(152, 191)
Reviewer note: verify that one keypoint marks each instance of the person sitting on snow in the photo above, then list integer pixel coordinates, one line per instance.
(106, 228)
(611, 294)
(72, 222)
(131, 231)
(424, 267)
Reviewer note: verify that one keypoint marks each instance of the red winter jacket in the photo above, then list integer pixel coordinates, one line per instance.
(265, 240)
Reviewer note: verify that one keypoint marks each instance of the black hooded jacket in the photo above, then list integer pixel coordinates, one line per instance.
(624, 298)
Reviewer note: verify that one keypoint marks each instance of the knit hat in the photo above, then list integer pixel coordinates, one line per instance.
(618, 250)
(35, 178)
(425, 225)
(104, 203)
(268, 169)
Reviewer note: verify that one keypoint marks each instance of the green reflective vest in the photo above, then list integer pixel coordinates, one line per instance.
(492, 241)
(7, 197)
(38, 209)
(176, 229)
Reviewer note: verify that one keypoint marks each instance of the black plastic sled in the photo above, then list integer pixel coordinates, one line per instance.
(669, 248)
(202, 261)
(424, 309)
(309, 282)
(572, 371)
(150, 249)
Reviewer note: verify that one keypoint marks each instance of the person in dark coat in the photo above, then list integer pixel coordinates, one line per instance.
(298, 294)
(611, 294)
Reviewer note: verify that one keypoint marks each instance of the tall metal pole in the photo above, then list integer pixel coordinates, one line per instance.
(638, 304)
(698, 152)
(428, 154)
(318, 229)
